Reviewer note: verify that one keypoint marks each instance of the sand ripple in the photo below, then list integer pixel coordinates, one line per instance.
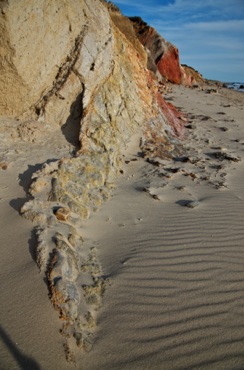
(176, 299)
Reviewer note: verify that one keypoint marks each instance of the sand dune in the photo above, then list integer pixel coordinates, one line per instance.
(171, 245)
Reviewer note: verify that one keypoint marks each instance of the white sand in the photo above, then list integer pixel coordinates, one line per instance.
(176, 299)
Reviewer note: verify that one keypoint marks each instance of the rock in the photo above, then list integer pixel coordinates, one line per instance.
(224, 128)
(226, 156)
(192, 204)
(189, 159)
(211, 91)
(190, 126)
(62, 214)
(180, 188)
(183, 118)
(3, 165)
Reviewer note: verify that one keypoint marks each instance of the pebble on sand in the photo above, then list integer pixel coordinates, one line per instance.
(62, 214)
(3, 165)
(192, 204)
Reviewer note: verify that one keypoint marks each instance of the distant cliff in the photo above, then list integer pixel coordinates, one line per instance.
(163, 57)
(79, 64)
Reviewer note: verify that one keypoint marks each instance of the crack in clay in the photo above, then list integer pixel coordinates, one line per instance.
(63, 73)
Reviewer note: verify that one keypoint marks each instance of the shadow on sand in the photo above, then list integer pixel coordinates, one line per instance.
(24, 362)
(25, 180)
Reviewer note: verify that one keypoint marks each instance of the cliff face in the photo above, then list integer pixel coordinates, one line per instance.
(80, 66)
(190, 77)
(31, 67)
(163, 57)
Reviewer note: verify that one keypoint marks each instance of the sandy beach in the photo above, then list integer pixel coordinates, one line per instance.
(170, 243)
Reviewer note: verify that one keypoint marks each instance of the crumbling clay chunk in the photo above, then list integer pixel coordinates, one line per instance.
(3, 165)
(62, 214)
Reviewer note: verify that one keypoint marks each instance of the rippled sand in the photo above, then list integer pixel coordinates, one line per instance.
(176, 299)
(170, 243)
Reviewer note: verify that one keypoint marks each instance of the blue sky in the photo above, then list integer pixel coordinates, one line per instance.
(208, 33)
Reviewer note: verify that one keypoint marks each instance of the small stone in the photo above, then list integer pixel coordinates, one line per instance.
(233, 158)
(190, 126)
(183, 118)
(211, 91)
(192, 204)
(180, 188)
(147, 190)
(62, 214)
(219, 185)
(193, 160)
(228, 156)
(224, 128)
(3, 165)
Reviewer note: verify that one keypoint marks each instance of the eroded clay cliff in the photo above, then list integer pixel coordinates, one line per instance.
(163, 56)
(79, 66)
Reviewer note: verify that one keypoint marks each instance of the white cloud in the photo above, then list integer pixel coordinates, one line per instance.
(219, 26)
